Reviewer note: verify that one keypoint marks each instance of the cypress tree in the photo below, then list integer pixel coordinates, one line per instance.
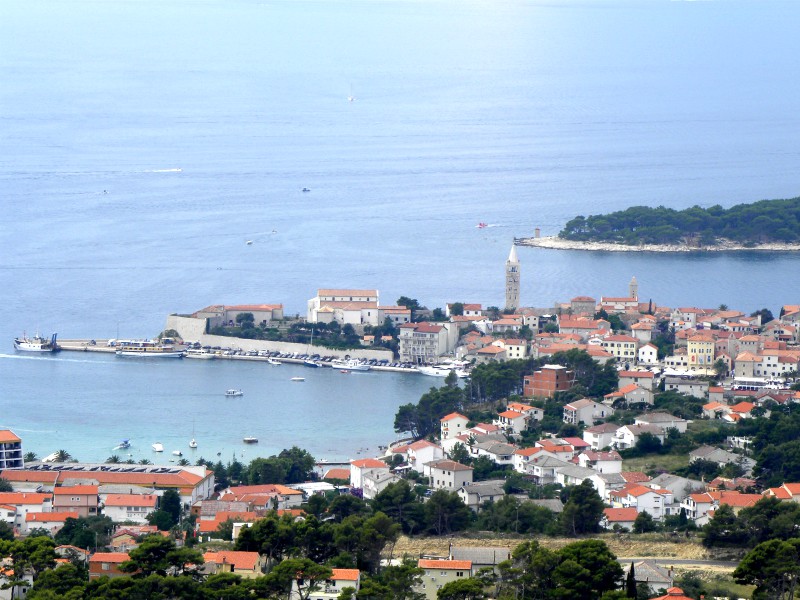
(630, 583)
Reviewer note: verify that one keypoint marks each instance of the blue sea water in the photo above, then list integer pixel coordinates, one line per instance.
(143, 142)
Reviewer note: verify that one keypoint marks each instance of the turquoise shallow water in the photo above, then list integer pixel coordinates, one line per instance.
(144, 142)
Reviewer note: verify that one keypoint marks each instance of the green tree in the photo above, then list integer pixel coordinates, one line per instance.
(307, 575)
(582, 511)
(5, 485)
(63, 581)
(468, 588)
(6, 531)
(457, 309)
(599, 571)
(62, 456)
(773, 567)
(644, 523)
(172, 505)
(158, 555)
(630, 583)
(445, 513)
(400, 502)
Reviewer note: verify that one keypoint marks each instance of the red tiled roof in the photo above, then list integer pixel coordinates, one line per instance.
(56, 517)
(7, 436)
(109, 557)
(241, 560)
(337, 474)
(454, 415)
(345, 574)
(131, 500)
(620, 515)
(75, 489)
(24, 497)
(369, 463)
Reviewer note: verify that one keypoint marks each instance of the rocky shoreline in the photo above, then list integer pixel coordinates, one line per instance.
(556, 243)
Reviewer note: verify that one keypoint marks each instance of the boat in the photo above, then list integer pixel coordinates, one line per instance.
(158, 447)
(351, 364)
(298, 379)
(234, 393)
(193, 443)
(249, 242)
(311, 363)
(36, 343)
(177, 453)
(148, 349)
(201, 354)
(123, 445)
(250, 440)
(272, 361)
(305, 189)
(443, 371)
(482, 225)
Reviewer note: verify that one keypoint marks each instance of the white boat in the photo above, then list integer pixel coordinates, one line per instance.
(158, 447)
(193, 443)
(36, 343)
(201, 354)
(234, 393)
(250, 440)
(123, 445)
(177, 453)
(298, 379)
(442, 371)
(148, 349)
(351, 364)
(272, 361)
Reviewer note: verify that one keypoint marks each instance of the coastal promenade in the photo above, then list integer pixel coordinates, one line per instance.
(90, 345)
(556, 243)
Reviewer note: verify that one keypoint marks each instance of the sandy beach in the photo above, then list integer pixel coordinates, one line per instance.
(556, 243)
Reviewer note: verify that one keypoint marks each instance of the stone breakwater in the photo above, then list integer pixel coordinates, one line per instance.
(556, 243)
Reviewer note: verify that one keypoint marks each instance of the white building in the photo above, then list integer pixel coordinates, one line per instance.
(359, 467)
(586, 411)
(129, 507)
(600, 436)
(344, 306)
(425, 343)
(448, 474)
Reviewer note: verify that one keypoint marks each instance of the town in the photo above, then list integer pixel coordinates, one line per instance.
(597, 420)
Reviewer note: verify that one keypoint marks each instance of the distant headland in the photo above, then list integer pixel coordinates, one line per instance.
(767, 225)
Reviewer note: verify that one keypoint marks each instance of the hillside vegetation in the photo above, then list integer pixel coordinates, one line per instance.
(767, 221)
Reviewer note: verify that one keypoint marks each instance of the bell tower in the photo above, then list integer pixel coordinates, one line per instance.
(512, 280)
(633, 288)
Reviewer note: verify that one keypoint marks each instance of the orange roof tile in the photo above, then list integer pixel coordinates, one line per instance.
(75, 489)
(345, 574)
(24, 497)
(131, 500)
(109, 557)
(452, 416)
(7, 436)
(617, 515)
(238, 558)
(369, 463)
(55, 517)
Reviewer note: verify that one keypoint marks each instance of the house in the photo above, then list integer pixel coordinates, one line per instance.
(513, 421)
(82, 499)
(10, 450)
(722, 458)
(248, 565)
(19, 504)
(621, 518)
(359, 467)
(331, 588)
(452, 425)
(106, 564)
(499, 453)
(664, 420)
(437, 573)
(264, 496)
(673, 593)
(573, 475)
(193, 483)
(344, 306)
(423, 343)
(643, 379)
(480, 557)
(586, 411)
(475, 494)
(622, 347)
(715, 410)
(583, 305)
(600, 436)
(648, 354)
(374, 481)
(51, 521)
(129, 507)
(448, 474)
(548, 380)
(627, 436)
(602, 462)
(643, 499)
(630, 394)
(690, 387)
(653, 575)
(679, 487)
(489, 354)
(543, 469)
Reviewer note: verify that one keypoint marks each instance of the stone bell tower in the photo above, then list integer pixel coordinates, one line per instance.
(512, 280)
(633, 288)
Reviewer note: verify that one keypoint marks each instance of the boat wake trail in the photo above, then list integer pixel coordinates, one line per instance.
(47, 358)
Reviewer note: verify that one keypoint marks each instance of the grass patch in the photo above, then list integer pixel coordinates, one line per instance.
(656, 462)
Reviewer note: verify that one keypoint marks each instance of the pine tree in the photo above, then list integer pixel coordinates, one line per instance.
(630, 583)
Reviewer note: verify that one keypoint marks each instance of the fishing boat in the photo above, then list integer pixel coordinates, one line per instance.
(250, 440)
(36, 343)
(123, 445)
(148, 349)
(158, 447)
(274, 362)
(351, 364)
(234, 393)
(298, 379)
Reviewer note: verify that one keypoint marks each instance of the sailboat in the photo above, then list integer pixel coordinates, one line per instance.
(193, 443)
(309, 362)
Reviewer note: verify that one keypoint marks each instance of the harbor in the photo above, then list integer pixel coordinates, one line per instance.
(107, 346)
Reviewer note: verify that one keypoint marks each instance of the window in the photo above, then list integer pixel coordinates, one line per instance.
(106, 567)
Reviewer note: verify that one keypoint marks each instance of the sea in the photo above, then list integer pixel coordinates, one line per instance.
(154, 153)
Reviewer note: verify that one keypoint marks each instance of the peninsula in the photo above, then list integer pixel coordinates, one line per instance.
(771, 225)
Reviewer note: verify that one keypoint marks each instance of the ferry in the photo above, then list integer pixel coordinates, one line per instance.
(148, 349)
(36, 343)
